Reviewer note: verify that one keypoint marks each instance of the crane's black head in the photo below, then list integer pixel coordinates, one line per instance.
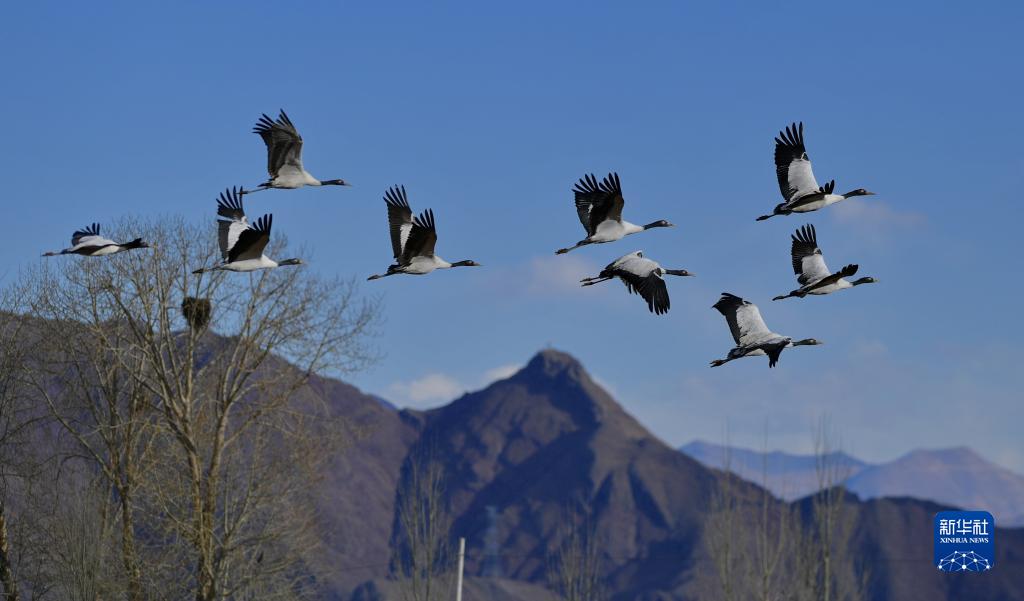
(868, 280)
(291, 262)
(466, 264)
(659, 223)
(334, 182)
(858, 192)
(681, 272)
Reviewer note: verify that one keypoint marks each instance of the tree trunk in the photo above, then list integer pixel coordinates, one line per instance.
(6, 574)
(128, 553)
(205, 589)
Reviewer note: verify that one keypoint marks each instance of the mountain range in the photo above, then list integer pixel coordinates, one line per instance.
(548, 438)
(530, 453)
(955, 476)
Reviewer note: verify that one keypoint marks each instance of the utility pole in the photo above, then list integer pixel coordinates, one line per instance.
(462, 563)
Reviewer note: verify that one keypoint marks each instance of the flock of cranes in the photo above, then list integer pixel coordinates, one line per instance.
(599, 206)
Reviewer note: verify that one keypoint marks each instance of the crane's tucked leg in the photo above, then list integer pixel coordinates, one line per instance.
(595, 280)
(259, 188)
(562, 251)
(795, 293)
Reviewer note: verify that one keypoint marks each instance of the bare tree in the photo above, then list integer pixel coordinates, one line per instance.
(724, 531)
(574, 569)
(208, 437)
(825, 569)
(766, 549)
(92, 393)
(79, 546)
(14, 420)
(424, 551)
(772, 523)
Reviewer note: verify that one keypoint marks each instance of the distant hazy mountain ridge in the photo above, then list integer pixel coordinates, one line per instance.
(955, 476)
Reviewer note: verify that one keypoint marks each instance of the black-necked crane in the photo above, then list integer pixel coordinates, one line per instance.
(752, 336)
(242, 243)
(412, 238)
(284, 156)
(599, 206)
(811, 272)
(796, 179)
(642, 276)
(89, 243)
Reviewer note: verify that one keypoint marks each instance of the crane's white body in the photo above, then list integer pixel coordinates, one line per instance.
(635, 263)
(291, 177)
(421, 265)
(610, 231)
(829, 289)
(814, 205)
(245, 265)
(108, 247)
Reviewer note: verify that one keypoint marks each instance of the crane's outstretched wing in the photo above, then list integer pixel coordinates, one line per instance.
(89, 236)
(792, 165)
(598, 202)
(252, 240)
(808, 262)
(422, 238)
(744, 319)
(284, 145)
(399, 219)
(651, 288)
(229, 206)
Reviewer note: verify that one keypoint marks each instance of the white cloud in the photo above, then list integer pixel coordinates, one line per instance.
(436, 389)
(500, 373)
(427, 391)
(876, 214)
(555, 274)
(869, 349)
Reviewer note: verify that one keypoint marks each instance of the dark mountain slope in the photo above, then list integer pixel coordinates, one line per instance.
(357, 494)
(548, 439)
(894, 538)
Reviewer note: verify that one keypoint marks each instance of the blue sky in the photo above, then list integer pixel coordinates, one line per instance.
(489, 114)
